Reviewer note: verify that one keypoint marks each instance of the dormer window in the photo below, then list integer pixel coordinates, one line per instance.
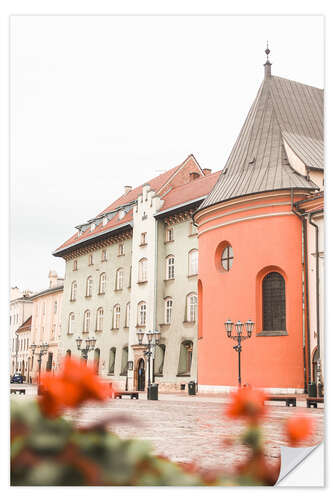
(92, 227)
(105, 221)
(122, 214)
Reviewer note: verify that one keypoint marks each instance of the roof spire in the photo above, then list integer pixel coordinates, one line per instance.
(267, 64)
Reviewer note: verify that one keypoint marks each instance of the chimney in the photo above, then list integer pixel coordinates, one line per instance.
(194, 175)
(53, 279)
(207, 171)
(127, 189)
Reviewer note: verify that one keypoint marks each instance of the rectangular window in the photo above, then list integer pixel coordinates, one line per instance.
(169, 234)
(90, 260)
(75, 265)
(121, 250)
(104, 256)
(143, 239)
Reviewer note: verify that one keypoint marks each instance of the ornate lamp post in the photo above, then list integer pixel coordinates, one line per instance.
(153, 338)
(43, 349)
(239, 338)
(90, 346)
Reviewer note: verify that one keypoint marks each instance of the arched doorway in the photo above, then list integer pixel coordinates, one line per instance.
(141, 375)
(315, 367)
(97, 354)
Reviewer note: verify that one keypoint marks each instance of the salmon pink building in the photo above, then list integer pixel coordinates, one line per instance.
(253, 252)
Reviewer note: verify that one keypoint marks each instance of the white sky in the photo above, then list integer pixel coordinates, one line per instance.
(101, 102)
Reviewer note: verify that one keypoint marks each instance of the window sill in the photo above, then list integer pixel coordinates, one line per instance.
(168, 241)
(98, 331)
(269, 333)
(192, 275)
(126, 327)
(140, 326)
(70, 333)
(87, 296)
(169, 279)
(123, 374)
(84, 333)
(189, 322)
(141, 282)
(90, 265)
(114, 329)
(165, 324)
(72, 300)
(104, 260)
(110, 373)
(143, 244)
(193, 234)
(74, 269)
(118, 290)
(183, 375)
(121, 255)
(101, 293)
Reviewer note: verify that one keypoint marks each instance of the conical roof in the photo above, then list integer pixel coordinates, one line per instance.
(284, 112)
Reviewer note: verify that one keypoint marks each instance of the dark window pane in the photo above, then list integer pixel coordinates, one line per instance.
(274, 302)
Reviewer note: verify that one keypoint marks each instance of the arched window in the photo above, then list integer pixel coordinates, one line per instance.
(185, 357)
(168, 303)
(142, 270)
(112, 360)
(97, 356)
(124, 360)
(227, 258)
(71, 319)
(89, 286)
(127, 314)
(99, 319)
(142, 313)
(86, 321)
(170, 267)
(193, 262)
(273, 302)
(159, 359)
(191, 307)
(119, 279)
(116, 317)
(73, 290)
(102, 283)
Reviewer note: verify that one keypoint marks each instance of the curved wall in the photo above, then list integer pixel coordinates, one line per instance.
(265, 236)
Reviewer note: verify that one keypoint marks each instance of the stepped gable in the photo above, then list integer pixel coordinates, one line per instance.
(284, 111)
(162, 185)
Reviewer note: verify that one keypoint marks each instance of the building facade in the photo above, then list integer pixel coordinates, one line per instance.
(23, 349)
(134, 267)
(258, 255)
(20, 309)
(46, 325)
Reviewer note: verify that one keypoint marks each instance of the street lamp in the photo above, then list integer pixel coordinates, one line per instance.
(239, 338)
(153, 337)
(43, 349)
(90, 346)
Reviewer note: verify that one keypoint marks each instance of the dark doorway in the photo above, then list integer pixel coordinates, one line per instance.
(49, 362)
(141, 375)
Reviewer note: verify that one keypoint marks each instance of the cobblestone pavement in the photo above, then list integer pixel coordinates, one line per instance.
(193, 428)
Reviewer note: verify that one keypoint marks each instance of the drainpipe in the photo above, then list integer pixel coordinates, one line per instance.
(317, 279)
(155, 293)
(305, 297)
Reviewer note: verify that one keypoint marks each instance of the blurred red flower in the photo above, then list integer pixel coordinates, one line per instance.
(298, 428)
(75, 384)
(247, 403)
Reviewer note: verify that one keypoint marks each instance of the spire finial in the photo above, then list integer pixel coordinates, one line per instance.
(267, 64)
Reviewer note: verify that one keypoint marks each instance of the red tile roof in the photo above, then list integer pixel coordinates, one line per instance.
(26, 325)
(174, 183)
(199, 188)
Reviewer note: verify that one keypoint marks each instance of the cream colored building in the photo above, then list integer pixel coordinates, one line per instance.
(46, 325)
(134, 267)
(20, 309)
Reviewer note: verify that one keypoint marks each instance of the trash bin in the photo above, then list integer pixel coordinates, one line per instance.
(191, 388)
(312, 390)
(153, 392)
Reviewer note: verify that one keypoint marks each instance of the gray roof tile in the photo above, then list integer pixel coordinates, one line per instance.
(283, 111)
